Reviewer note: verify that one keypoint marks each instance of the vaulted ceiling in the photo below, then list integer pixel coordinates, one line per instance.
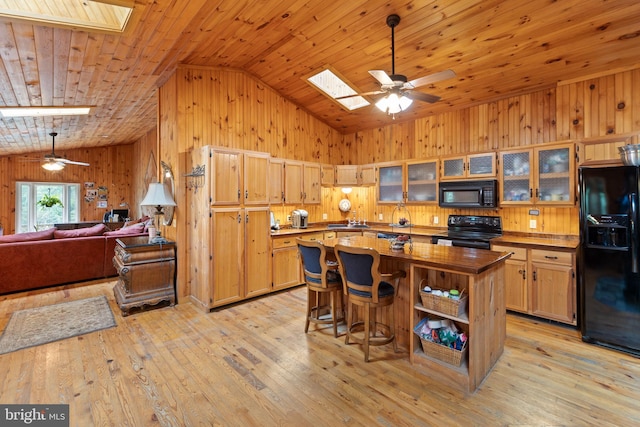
(496, 48)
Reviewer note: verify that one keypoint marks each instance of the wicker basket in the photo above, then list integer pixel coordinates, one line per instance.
(439, 351)
(444, 353)
(444, 305)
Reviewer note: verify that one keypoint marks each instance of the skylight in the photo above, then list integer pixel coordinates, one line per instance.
(335, 87)
(97, 15)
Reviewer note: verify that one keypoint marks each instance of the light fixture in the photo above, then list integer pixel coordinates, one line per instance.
(53, 166)
(393, 104)
(346, 190)
(158, 196)
(44, 111)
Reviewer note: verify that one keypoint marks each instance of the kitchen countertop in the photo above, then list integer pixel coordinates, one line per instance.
(515, 239)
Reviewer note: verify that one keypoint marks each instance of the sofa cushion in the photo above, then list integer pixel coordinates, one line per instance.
(132, 229)
(28, 237)
(96, 230)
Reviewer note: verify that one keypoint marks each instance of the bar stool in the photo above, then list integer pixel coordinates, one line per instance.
(366, 287)
(320, 280)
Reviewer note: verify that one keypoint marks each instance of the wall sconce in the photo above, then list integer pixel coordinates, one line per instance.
(347, 190)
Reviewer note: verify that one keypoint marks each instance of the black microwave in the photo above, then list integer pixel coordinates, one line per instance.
(469, 194)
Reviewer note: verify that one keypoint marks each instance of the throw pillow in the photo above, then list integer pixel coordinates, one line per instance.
(95, 230)
(28, 237)
(134, 229)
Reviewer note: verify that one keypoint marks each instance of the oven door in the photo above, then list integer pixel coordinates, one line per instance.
(470, 243)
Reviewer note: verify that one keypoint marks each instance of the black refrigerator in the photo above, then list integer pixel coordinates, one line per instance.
(609, 280)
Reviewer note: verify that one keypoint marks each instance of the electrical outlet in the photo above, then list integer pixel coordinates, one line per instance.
(436, 220)
(532, 223)
(380, 217)
(325, 216)
(288, 218)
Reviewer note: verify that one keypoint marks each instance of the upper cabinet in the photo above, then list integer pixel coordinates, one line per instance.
(352, 175)
(391, 183)
(422, 185)
(301, 182)
(410, 182)
(239, 177)
(276, 181)
(328, 177)
(481, 165)
(543, 175)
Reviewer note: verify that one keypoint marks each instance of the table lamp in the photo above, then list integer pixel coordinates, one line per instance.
(158, 196)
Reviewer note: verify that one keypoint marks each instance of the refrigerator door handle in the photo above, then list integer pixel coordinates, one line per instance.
(633, 238)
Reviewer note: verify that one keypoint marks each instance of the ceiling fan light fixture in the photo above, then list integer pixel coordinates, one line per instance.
(53, 166)
(393, 104)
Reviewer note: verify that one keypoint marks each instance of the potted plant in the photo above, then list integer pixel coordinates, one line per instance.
(49, 201)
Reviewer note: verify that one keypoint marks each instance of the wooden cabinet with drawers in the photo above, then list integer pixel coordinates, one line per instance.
(541, 282)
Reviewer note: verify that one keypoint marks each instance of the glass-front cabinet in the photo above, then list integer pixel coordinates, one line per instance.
(542, 175)
(422, 184)
(391, 183)
(481, 165)
(410, 182)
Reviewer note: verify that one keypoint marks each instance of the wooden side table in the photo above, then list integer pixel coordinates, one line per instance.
(146, 273)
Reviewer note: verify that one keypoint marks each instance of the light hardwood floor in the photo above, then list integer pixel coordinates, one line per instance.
(251, 364)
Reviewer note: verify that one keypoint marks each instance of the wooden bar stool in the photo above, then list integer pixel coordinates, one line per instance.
(320, 280)
(366, 287)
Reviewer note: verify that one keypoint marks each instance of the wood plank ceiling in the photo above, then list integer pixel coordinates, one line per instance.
(496, 47)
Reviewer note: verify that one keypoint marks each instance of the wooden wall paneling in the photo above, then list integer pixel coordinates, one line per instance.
(623, 102)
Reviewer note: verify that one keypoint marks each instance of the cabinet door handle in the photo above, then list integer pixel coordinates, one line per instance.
(534, 276)
(239, 218)
(246, 194)
(239, 194)
(550, 257)
(524, 273)
(531, 193)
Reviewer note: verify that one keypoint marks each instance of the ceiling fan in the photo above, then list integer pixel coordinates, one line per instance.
(55, 163)
(400, 92)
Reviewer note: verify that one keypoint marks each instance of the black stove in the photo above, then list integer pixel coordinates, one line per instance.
(470, 231)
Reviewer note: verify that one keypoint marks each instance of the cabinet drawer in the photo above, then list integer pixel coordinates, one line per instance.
(329, 235)
(311, 236)
(565, 258)
(518, 253)
(283, 242)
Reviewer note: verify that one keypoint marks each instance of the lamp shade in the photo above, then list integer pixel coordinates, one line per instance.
(53, 166)
(158, 195)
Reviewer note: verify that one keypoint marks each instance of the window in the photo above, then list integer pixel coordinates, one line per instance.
(32, 217)
(334, 86)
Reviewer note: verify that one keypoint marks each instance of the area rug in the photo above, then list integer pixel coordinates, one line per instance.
(41, 325)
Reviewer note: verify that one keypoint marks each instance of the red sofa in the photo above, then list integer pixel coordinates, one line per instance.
(63, 258)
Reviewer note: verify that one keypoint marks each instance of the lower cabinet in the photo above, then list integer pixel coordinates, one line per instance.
(541, 283)
(286, 269)
(236, 260)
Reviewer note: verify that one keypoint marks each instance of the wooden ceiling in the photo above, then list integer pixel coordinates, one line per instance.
(497, 48)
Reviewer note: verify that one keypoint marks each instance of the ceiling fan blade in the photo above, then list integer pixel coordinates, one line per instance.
(432, 78)
(420, 96)
(71, 162)
(375, 92)
(381, 76)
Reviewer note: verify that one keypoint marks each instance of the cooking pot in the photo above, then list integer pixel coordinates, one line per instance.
(630, 154)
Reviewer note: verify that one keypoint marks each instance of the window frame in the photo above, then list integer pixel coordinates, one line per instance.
(70, 191)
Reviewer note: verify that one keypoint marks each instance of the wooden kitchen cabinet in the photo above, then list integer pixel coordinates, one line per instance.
(286, 264)
(553, 288)
(540, 282)
(391, 182)
(311, 184)
(481, 165)
(328, 177)
(276, 181)
(543, 176)
(515, 275)
(302, 183)
(238, 177)
(422, 185)
(355, 175)
(240, 266)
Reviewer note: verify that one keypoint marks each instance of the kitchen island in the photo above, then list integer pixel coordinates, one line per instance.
(477, 272)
